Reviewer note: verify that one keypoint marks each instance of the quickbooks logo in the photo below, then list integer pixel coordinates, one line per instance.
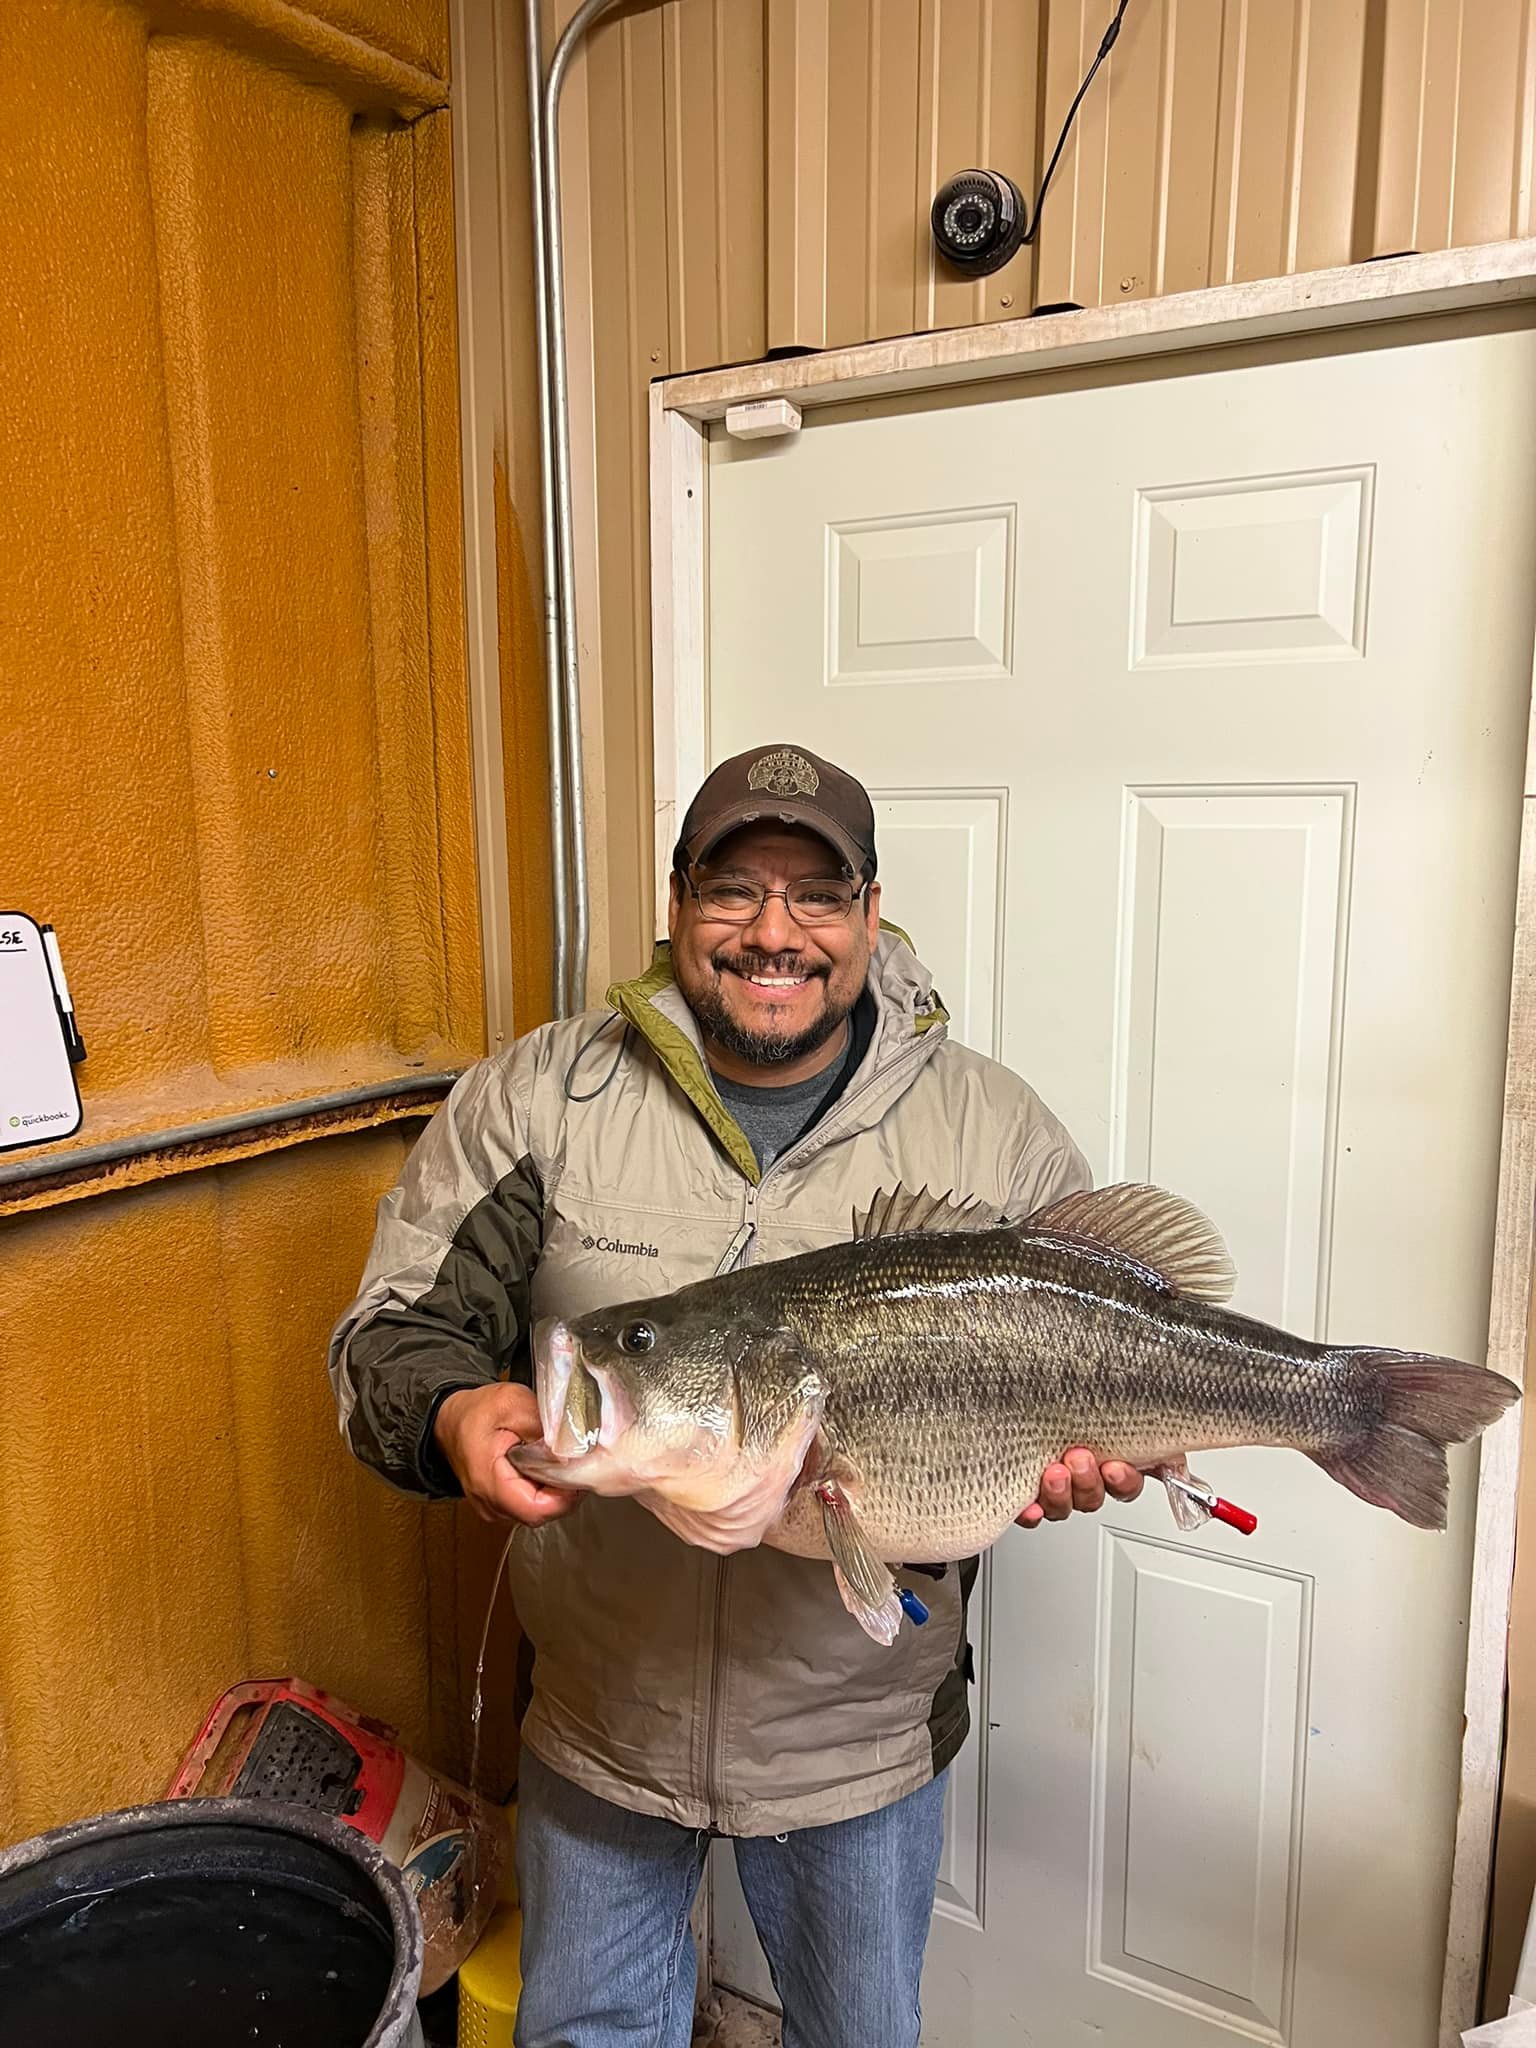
(617, 1244)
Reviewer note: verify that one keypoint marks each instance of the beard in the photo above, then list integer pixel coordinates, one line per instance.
(765, 1048)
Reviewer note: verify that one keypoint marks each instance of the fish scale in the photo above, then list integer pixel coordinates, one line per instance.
(958, 1368)
(897, 1398)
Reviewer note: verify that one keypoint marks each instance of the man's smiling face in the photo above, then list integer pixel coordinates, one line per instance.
(773, 994)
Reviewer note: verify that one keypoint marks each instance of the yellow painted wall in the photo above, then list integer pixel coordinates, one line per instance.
(175, 1509)
(236, 777)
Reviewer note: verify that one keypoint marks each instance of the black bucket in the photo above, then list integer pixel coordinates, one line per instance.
(207, 1923)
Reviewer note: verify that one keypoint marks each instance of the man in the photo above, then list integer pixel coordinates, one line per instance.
(782, 1061)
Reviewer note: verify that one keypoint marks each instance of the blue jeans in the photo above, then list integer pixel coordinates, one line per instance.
(842, 1912)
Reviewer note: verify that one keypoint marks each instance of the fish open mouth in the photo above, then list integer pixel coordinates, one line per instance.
(570, 1399)
(579, 1408)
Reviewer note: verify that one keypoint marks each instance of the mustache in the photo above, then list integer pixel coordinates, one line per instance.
(768, 963)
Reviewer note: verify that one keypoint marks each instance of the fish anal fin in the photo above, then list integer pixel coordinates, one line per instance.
(1188, 1514)
(898, 1211)
(863, 1579)
(1162, 1233)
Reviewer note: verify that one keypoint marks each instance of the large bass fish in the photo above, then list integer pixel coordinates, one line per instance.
(898, 1397)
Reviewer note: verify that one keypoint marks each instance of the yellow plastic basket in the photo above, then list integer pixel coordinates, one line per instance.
(490, 1977)
(490, 1981)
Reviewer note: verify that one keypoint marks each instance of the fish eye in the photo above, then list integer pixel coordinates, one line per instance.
(637, 1337)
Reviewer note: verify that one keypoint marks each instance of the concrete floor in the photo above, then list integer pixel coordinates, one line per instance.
(730, 2022)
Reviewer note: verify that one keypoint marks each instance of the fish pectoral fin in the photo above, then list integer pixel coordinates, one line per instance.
(1189, 1514)
(863, 1579)
(1162, 1233)
(897, 1211)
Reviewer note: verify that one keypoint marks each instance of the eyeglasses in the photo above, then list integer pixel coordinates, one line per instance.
(808, 902)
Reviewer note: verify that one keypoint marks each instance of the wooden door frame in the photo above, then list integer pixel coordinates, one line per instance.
(1322, 303)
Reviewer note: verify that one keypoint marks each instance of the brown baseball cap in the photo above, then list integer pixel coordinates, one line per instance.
(785, 785)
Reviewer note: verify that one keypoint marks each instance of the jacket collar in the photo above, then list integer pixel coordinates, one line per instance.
(909, 1014)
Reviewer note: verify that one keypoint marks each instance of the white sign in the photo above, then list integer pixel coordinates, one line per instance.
(39, 1101)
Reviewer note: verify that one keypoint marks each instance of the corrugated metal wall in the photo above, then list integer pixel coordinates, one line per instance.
(748, 175)
(237, 780)
(1228, 147)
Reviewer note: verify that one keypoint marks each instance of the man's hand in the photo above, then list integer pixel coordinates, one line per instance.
(1079, 1481)
(474, 1430)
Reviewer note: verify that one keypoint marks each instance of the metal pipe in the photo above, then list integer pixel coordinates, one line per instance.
(575, 29)
(553, 667)
(141, 1144)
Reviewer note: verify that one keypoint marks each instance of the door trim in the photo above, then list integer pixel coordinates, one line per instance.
(1356, 295)
(1450, 282)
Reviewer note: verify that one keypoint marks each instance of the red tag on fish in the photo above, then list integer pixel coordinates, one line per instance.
(1236, 1518)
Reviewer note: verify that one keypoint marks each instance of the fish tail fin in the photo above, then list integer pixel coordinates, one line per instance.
(1423, 1403)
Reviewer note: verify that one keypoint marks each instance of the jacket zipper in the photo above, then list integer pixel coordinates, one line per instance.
(741, 1248)
(713, 1761)
(739, 1253)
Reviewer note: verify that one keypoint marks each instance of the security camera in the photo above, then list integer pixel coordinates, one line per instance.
(978, 220)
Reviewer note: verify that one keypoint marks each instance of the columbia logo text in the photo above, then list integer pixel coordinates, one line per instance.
(617, 1244)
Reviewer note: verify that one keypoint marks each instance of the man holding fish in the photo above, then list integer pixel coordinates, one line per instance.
(659, 1199)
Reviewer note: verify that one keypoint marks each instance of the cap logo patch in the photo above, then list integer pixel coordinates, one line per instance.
(783, 773)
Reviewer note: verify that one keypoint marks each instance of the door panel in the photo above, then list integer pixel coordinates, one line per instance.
(1197, 1766)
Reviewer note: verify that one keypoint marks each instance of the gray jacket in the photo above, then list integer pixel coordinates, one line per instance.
(594, 1162)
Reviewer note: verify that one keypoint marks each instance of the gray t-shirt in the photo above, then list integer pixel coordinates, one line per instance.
(773, 1118)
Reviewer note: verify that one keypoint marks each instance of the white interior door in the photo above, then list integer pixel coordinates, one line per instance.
(1194, 700)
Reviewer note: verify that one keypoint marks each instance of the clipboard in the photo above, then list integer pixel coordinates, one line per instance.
(39, 1045)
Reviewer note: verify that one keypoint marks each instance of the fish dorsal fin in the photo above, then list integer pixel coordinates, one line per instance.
(1162, 1232)
(898, 1210)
